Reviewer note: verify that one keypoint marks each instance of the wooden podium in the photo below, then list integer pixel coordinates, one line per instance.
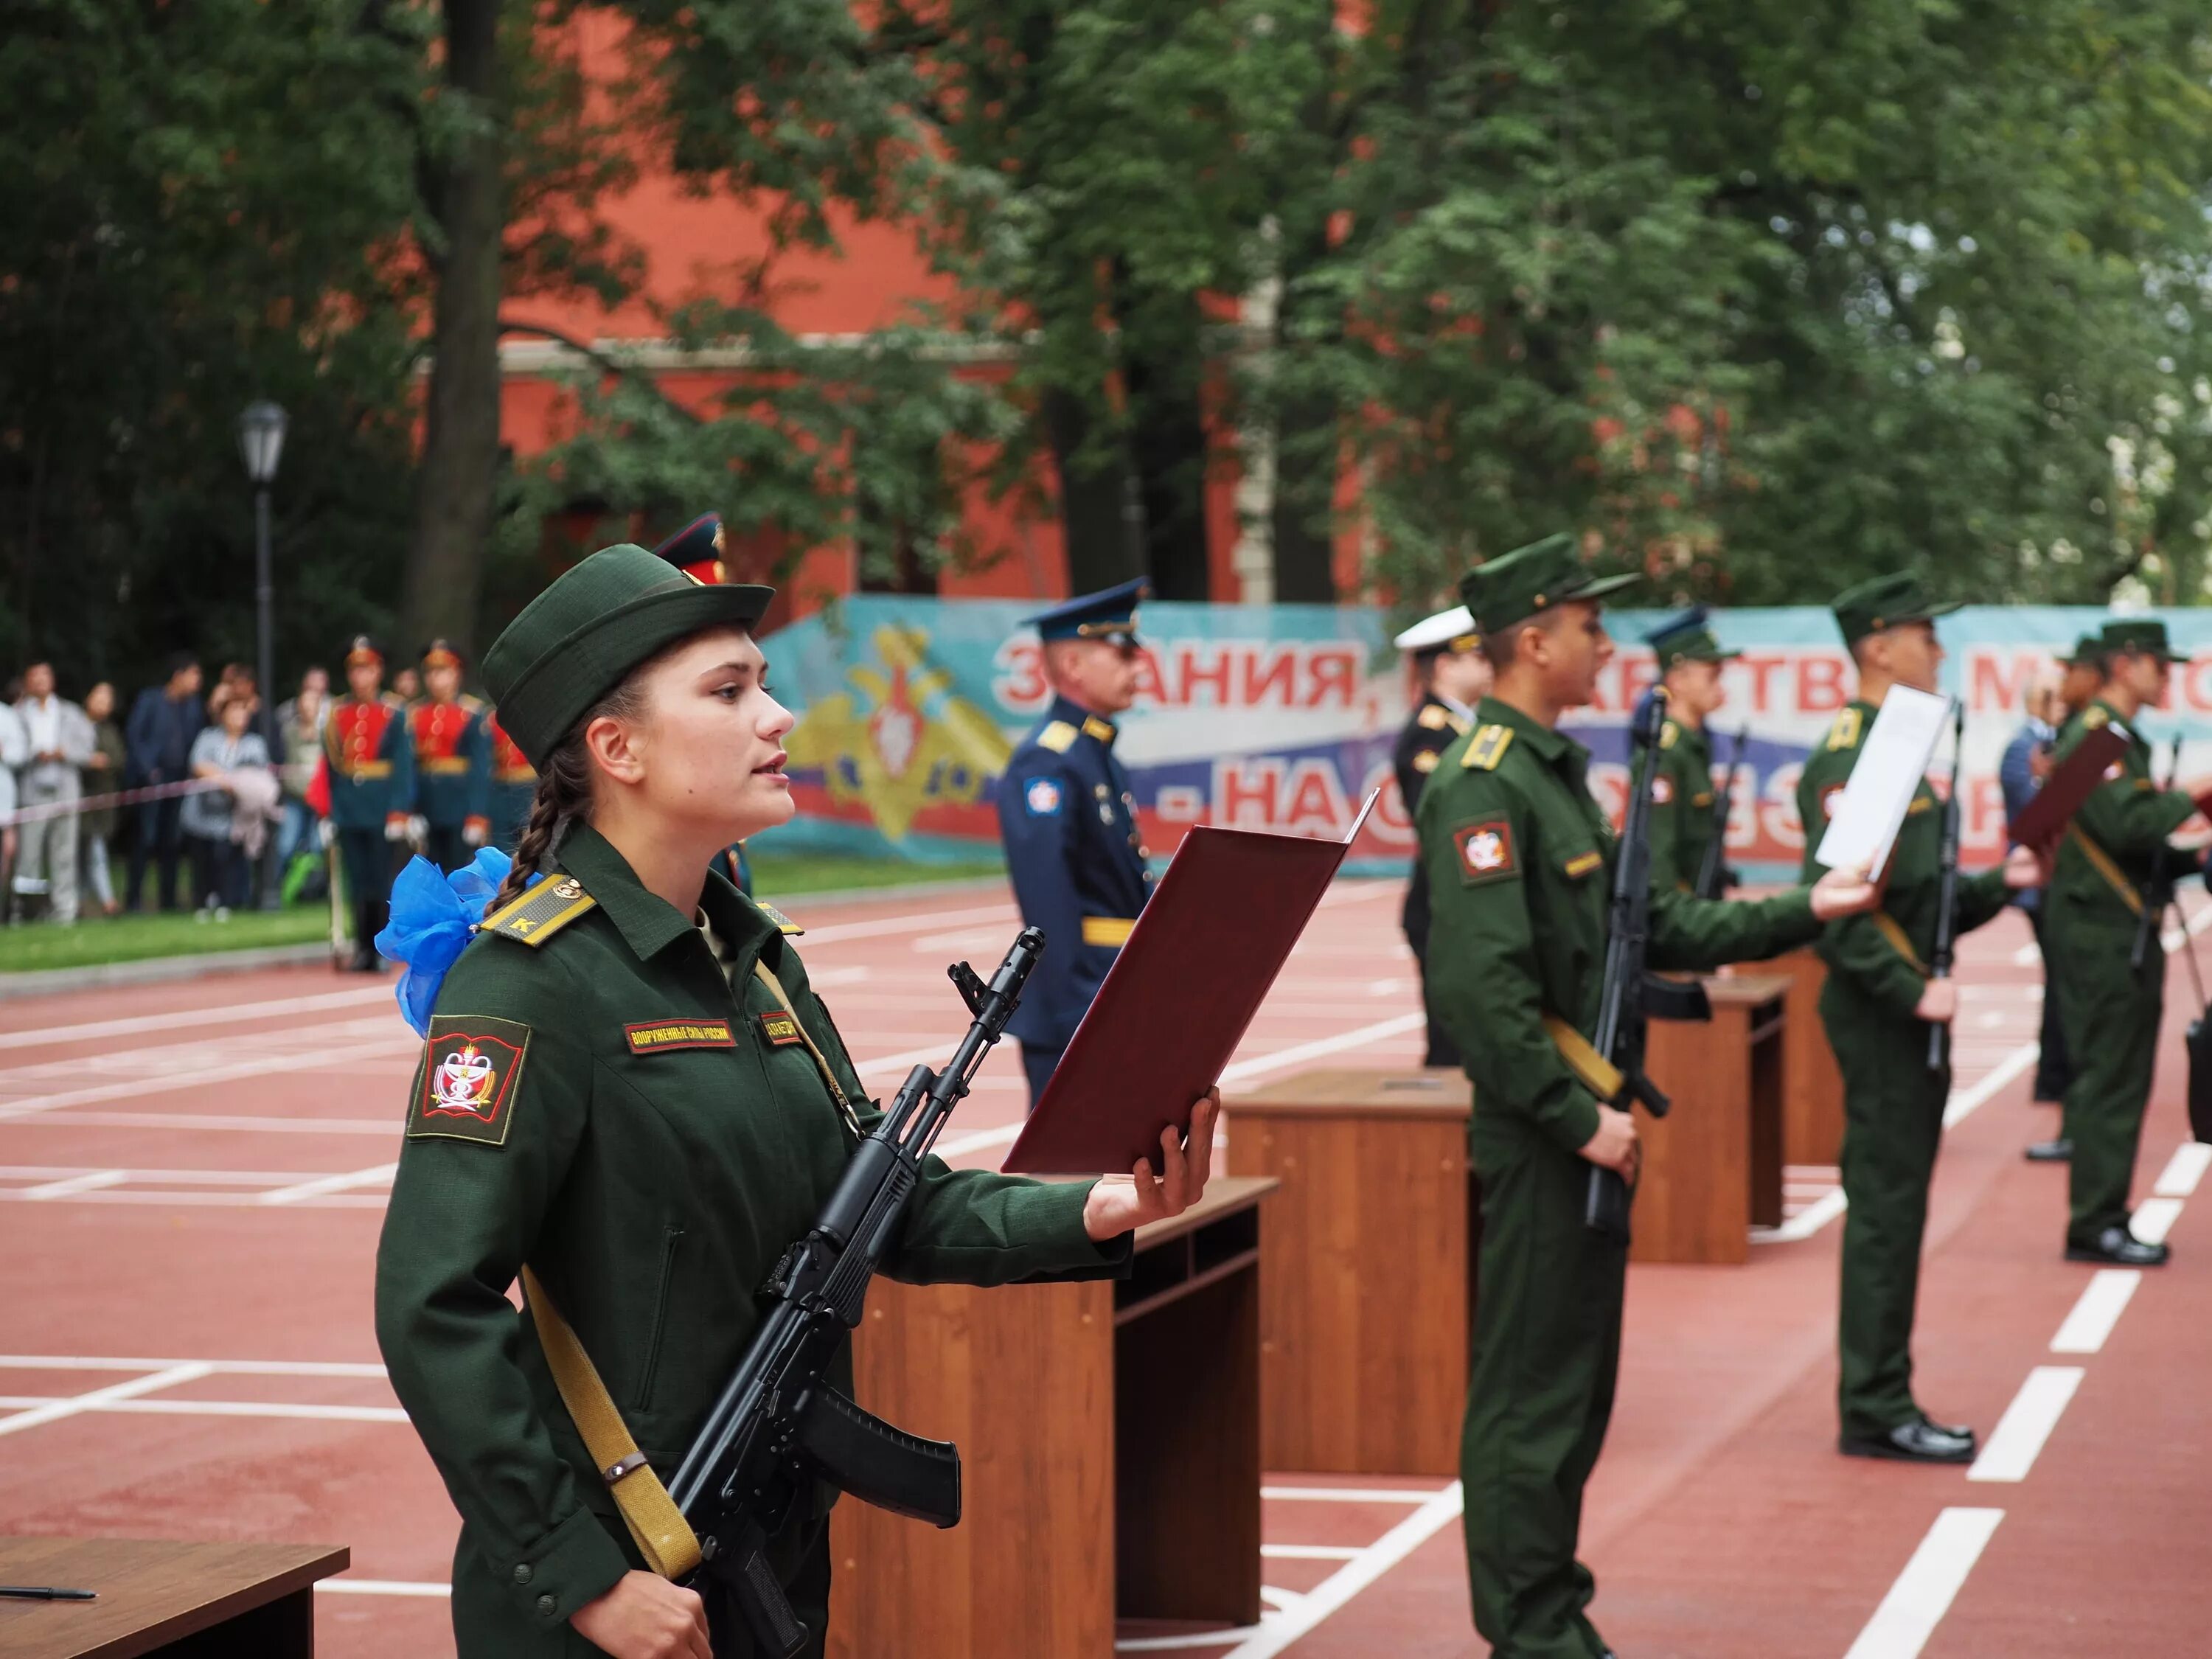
(176, 1601)
(1813, 1088)
(1110, 1433)
(1369, 1297)
(1712, 1166)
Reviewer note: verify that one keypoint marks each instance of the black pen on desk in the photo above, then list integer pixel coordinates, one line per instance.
(46, 1593)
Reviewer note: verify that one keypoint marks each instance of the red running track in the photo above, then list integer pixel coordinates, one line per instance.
(192, 1179)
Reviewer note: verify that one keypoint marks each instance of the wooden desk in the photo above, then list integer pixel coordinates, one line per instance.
(178, 1600)
(1712, 1167)
(1109, 1434)
(1369, 1297)
(1813, 1087)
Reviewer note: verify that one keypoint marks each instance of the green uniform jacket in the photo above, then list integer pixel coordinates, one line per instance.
(2114, 841)
(641, 1125)
(1681, 808)
(1884, 954)
(1520, 863)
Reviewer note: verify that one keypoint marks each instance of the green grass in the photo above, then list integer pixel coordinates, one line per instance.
(96, 939)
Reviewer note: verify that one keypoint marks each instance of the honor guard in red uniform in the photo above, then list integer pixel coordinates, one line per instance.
(696, 550)
(514, 783)
(452, 763)
(370, 766)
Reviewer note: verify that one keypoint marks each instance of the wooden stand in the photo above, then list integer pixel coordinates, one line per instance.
(1712, 1167)
(1813, 1088)
(178, 1600)
(1110, 1434)
(1369, 1297)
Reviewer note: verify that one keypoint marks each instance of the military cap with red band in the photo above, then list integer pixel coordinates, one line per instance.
(697, 549)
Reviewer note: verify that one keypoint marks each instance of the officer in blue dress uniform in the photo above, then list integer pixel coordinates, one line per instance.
(696, 550)
(1069, 821)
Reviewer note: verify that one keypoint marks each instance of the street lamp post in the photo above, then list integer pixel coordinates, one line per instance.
(261, 442)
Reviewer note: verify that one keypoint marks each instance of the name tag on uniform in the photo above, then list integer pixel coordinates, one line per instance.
(653, 1038)
(782, 1029)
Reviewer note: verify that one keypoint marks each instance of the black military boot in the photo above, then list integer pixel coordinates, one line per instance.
(2117, 1247)
(2055, 1151)
(366, 924)
(1916, 1442)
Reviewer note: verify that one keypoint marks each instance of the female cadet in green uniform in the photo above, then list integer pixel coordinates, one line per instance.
(613, 1094)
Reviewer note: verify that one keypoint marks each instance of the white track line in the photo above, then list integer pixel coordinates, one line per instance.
(2153, 1219)
(2183, 1170)
(187, 1372)
(1413, 1495)
(2027, 1423)
(1807, 1221)
(1965, 1102)
(379, 1587)
(1348, 1581)
(67, 1185)
(1307, 1552)
(330, 1183)
(190, 1018)
(1204, 1638)
(1920, 1596)
(55, 1362)
(223, 1408)
(908, 924)
(2102, 1299)
(34, 1105)
(68, 1117)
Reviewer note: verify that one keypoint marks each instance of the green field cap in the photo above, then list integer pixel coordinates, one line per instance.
(2145, 635)
(1529, 581)
(1886, 602)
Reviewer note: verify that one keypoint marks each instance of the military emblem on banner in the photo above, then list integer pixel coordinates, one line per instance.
(467, 1085)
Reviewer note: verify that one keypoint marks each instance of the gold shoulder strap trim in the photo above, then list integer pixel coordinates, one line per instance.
(664, 1537)
(1488, 748)
(784, 924)
(1433, 717)
(766, 976)
(1887, 926)
(1102, 730)
(1057, 736)
(1844, 733)
(2101, 862)
(1669, 735)
(542, 912)
(2092, 717)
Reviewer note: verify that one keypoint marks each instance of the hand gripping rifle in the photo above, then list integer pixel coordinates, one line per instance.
(778, 1424)
(1714, 877)
(1947, 898)
(1611, 1064)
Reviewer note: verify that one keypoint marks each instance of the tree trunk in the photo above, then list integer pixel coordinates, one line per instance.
(1103, 546)
(1168, 448)
(1305, 488)
(459, 474)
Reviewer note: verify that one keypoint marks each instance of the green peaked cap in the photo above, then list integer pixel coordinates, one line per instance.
(1886, 602)
(1529, 581)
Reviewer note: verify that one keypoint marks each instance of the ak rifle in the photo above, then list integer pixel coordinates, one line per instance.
(780, 1425)
(1947, 899)
(1714, 877)
(1611, 1063)
(2158, 893)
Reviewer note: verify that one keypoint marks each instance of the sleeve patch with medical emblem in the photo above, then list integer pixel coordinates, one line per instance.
(1486, 851)
(1829, 797)
(1041, 797)
(1662, 789)
(471, 1067)
(655, 1036)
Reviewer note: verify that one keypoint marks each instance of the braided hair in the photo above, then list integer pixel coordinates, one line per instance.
(564, 786)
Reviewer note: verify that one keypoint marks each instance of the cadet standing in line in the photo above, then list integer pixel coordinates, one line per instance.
(1519, 859)
(1876, 1004)
(2109, 862)
(371, 772)
(1682, 787)
(452, 763)
(1455, 675)
(1068, 818)
(631, 1093)
(696, 550)
(2081, 677)
(514, 783)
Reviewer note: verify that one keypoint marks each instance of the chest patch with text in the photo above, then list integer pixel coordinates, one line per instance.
(780, 1028)
(1486, 851)
(471, 1065)
(656, 1036)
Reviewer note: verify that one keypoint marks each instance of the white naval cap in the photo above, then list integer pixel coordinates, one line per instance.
(1446, 628)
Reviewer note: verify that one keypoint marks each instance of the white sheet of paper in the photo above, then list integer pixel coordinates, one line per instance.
(1893, 759)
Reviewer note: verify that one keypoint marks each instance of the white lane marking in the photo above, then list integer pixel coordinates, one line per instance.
(185, 1177)
(70, 1118)
(976, 1142)
(2027, 1423)
(907, 924)
(2183, 1170)
(1244, 1070)
(90, 1180)
(2102, 1299)
(330, 1183)
(1920, 1596)
(379, 1587)
(322, 1060)
(53, 1411)
(2153, 1219)
(55, 1362)
(191, 1019)
(976, 939)
(223, 1408)
(159, 1196)
(1357, 1494)
(1282, 1600)
(1965, 1102)
(1204, 1638)
(1353, 1577)
(1307, 1552)
(1807, 1221)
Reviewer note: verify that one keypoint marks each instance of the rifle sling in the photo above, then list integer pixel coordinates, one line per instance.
(2101, 862)
(1889, 928)
(1597, 1073)
(663, 1537)
(828, 1074)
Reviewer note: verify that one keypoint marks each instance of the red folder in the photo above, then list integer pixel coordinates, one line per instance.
(2044, 819)
(1176, 1001)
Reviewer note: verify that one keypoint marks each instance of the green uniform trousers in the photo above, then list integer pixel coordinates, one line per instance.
(2111, 1018)
(1546, 1353)
(1892, 1124)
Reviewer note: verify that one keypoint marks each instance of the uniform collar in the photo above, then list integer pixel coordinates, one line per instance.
(1093, 726)
(1452, 705)
(647, 922)
(1547, 741)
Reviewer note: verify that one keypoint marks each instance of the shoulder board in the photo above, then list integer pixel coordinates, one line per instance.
(392, 700)
(784, 924)
(473, 703)
(1844, 733)
(1433, 717)
(1057, 736)
(1426, 760)
(1093, 726)
(1487, 748)
(542, 912)
(2092, 717)
(1669, 733)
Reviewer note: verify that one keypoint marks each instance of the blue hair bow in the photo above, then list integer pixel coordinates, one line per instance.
(434, 915)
